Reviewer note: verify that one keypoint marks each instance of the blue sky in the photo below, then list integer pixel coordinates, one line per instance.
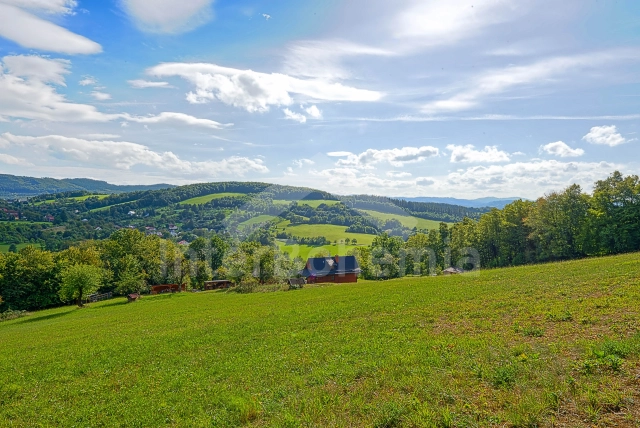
(403, 98)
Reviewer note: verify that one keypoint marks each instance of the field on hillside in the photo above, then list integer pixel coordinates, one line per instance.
(4, 248)
(329, 231)
(311, 203)
(75, 198)
(208, 198)
(306, 251)
(547, 345)
(406, 220)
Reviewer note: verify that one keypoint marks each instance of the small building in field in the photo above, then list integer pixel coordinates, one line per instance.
(452, 271)
(217, 284)
(338, 269)
(167, 288)
(49, 218)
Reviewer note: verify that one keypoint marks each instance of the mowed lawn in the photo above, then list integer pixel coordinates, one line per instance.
(406, 220)
(547, 345)
(200, 200)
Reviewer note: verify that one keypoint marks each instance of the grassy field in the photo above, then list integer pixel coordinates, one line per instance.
(4, 248)
(406, 220)
(549, 345)
(208, 198)
(75, 198)
(329, 231)
(312, 203)
(257, 219)
(306, 251)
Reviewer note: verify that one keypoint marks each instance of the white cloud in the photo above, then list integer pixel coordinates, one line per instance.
(12, 160)
(168, 16)
(425, 181)
(87, 81)
(27, 96)
(302, 162)
(289, 115)
(173, 118)
(323, 58)
(255, 91)
(339, 154)
(100, 96)
(31, 31)
(433, 22)
(605, 135)
(559, 148)
(147, 84)
(38, 68)
(468, 154)
(266, 16)
(314, 112)
(527, 179)
(398, 174)
(502, 80)
(396, 157)
(101, 136)
(126, 155)
(53, 7)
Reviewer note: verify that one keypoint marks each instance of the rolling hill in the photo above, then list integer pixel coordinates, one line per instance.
(14, 187)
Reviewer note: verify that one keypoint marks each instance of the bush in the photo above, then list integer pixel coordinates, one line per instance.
(10, 315)
(248, 284)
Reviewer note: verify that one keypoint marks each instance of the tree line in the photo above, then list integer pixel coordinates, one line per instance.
(559, 226)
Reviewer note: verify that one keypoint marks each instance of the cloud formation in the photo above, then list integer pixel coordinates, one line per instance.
(19, 24)
(141, 84)
(298, 117)
(605, 135)
(255, 91)
(397, 157)
(126, 155)
(468, 154)
(168, 16)
(498, 81)
(561, 149)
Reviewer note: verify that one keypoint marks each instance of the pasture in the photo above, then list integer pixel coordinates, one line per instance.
(406, 220)
(546, 345)
(200, 200)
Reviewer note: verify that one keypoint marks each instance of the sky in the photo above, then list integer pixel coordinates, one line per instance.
(455, 98)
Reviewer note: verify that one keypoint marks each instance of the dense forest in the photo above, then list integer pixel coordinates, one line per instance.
(562, 225)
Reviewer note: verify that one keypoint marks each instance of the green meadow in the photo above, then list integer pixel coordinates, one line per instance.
(200, 200)
(4, 248)
(329, 231)
(306, 251)
(406, 220)
(546, 345)
(311, 203)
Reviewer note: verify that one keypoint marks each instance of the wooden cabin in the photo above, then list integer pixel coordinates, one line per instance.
(337, 269)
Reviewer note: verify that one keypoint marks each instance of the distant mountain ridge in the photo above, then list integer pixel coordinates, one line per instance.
(489, 201)
(14, 187)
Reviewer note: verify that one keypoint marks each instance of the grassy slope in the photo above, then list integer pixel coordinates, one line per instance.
(406, 220)
(329, 231)
(306, 251)
(446, 351)
(4, 248)
(208, 198)
(311, 203)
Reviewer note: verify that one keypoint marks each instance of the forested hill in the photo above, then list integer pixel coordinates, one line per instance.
(427, 210)
(13, 187)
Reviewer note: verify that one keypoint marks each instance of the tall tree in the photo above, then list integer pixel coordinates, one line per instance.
(78, 282)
